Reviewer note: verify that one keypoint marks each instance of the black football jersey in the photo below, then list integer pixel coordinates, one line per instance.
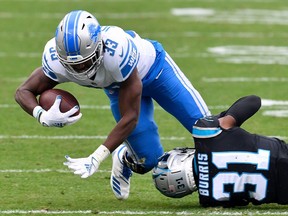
(233, 167)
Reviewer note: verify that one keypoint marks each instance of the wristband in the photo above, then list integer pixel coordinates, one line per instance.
(37, 111)
(101, 153)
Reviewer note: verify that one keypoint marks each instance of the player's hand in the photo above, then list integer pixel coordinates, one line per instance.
(55, 118)
(84, 167)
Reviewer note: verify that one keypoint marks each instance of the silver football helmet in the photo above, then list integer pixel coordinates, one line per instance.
(79, 44)
(173, 176)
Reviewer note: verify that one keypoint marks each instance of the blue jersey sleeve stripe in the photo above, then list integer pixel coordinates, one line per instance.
(49, 73)
(131, 61)
(131, 33)
(126, 54)
(47, 70)
(129, 68)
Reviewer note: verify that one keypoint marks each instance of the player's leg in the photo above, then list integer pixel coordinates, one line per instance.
(144, 141)
(141, 150)
(175, 93)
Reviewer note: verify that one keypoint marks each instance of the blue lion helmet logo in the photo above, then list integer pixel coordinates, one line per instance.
(94, 32)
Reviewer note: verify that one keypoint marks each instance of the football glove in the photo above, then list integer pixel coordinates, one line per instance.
(54, 117)
(86, 167)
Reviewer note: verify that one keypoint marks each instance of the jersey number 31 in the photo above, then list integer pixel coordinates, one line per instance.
(221, 161)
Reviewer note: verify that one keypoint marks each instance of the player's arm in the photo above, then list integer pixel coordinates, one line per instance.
(27, 92)
(26, 95)
(240, 111)
(227, 122)
(129, 105)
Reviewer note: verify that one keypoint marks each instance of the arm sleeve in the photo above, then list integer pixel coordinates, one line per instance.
(243, 109)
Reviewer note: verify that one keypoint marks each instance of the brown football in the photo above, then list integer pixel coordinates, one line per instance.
(47, 99)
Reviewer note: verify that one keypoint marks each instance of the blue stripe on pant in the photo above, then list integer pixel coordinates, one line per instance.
(174, 92)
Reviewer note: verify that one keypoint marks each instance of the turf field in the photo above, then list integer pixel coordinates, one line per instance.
(227, 48)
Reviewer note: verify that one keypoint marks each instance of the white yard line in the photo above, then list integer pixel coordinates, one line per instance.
(83, 137)
(206, 15)
(57, 16)
(104, 107)
(229, 54)
(234, 16)
(249, 54)
(158, 1)
(223, 212)
(43, 171)
(244, 79)
(267, 103)
(72, 137)
(188, 34)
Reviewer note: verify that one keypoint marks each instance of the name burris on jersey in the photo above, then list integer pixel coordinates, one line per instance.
(203, 174)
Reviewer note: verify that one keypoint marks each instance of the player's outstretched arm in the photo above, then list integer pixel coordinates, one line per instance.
(242, 109)
(129, 105)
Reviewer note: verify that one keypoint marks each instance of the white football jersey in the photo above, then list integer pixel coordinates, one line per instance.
(123, 52)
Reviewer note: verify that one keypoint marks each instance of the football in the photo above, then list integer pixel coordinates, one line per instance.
(47, 99)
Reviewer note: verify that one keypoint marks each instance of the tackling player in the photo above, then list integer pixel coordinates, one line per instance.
(133, 72)
(229, 166)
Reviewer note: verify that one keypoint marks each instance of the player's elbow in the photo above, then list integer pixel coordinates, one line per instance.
(17, 94)
(254, 103)
(257, 100)
(22, 95)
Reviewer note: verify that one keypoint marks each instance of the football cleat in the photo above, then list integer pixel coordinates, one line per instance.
(120, 176)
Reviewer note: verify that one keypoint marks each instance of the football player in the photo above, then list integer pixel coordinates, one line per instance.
(229, 166)
(133, 72)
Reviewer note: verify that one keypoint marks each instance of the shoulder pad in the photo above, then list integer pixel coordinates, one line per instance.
(206, 127)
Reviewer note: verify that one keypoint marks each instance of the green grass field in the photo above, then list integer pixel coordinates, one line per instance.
(227, 48)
